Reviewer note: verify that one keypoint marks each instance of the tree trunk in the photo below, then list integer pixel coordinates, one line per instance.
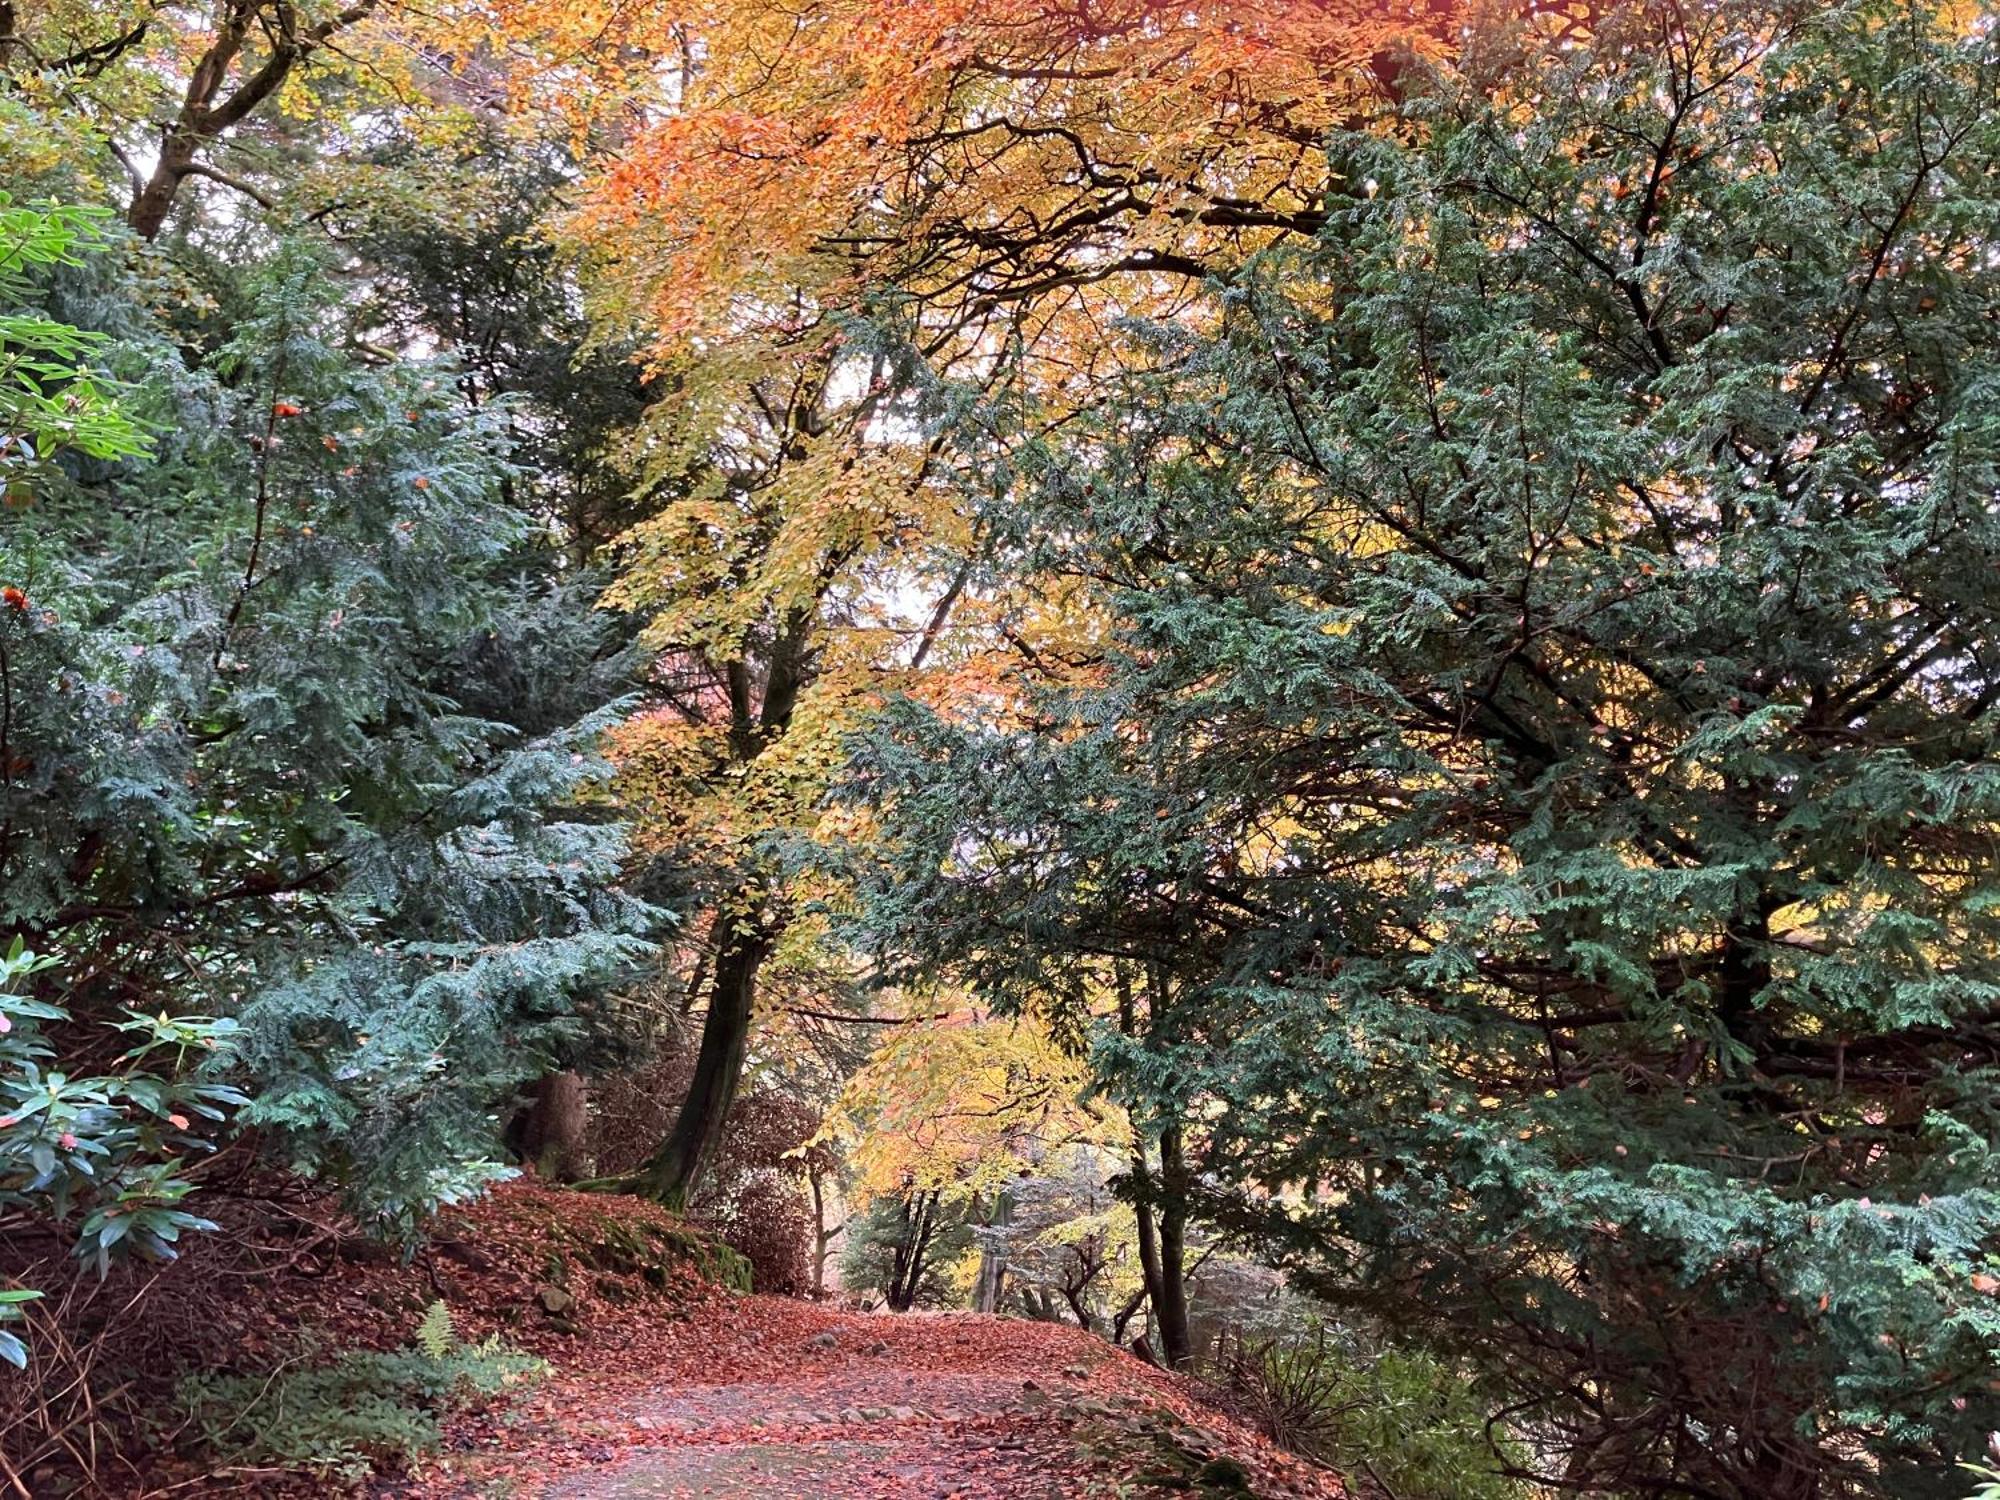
(1123, 1317)
(907, 1271)
(1073, 1295)
(1163, 1242)
(747, 929)
(676, 1168)
(1142, 1210)
(992, 1283)
(900, 1274)
(1170, 1308)
(555, 1126)
(1151, 1275)
(823, 1233)
(222, 92)
(926, 1229)
(155, 199)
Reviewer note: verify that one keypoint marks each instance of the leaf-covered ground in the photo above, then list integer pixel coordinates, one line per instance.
(665, 1383)
(758, 1396)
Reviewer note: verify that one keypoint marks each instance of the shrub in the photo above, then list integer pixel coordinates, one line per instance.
(51, 399)
(755, 1195)
(1403, 1418)
(298, 719)
(108, 1145)
(770, 1224)
(361, 1411)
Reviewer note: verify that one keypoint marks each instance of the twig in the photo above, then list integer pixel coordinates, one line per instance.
(834, 1015)
(263, 502)
(1377, 1480)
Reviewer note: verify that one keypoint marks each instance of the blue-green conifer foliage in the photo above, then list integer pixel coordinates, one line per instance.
(1545, 759)
(297, 728)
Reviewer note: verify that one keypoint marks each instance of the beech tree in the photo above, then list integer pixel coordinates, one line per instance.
(1546, 742)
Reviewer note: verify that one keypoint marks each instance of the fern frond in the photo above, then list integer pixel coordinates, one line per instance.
(436, 1334)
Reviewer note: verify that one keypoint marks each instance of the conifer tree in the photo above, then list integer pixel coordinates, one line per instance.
(300, 727)
(1546, 742)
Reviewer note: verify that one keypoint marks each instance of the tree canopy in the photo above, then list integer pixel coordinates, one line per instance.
(1312, 685)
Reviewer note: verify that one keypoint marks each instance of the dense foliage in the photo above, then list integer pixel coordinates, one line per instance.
(247, 770)
(1312, 685)
(291, 694)
(1545, 743)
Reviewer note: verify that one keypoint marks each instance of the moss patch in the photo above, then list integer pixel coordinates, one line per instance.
(652, 1251)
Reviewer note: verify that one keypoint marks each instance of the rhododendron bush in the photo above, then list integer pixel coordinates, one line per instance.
(106, 1150)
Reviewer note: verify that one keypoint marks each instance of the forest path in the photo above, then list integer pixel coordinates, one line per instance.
(878, 1431)
(783, 1400)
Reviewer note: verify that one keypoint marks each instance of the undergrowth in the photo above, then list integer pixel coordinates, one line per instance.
(1401, 1419)
(362, 1411)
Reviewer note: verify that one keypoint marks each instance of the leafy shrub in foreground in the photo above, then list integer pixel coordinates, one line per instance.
(110, 1143)
(301, 719)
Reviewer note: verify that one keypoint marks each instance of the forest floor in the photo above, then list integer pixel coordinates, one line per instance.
(658, 1380)
(784, 1400)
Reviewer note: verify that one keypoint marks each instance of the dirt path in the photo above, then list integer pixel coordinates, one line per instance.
(877, 1432)
(779, 1400)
